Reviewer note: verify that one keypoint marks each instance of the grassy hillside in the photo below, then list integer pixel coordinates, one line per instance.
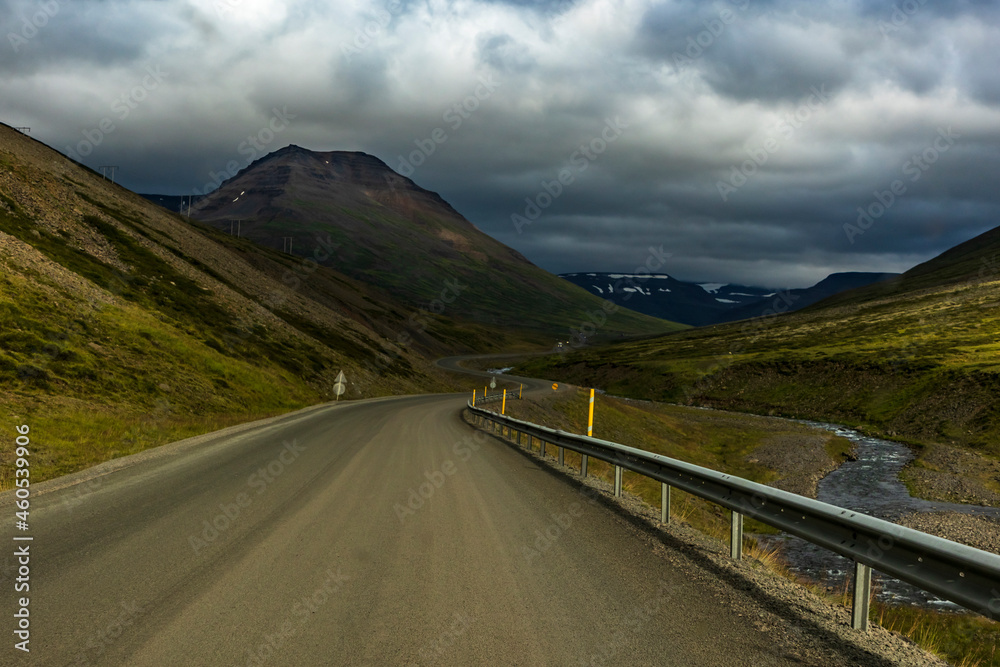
(917, 359)
(123, 326)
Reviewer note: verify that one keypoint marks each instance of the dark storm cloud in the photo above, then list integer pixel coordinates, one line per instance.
(754, 134)
(84, 33)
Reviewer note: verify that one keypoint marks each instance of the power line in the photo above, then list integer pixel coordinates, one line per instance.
(113, 168)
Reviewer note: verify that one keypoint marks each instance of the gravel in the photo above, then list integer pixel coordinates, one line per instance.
(976, 531)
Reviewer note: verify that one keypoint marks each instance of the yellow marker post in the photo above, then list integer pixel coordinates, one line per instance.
(520, 389)
(473, 398)
(584, 459)
(503, 404)
(590, 419)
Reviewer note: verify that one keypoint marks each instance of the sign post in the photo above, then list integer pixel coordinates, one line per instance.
(338, 385)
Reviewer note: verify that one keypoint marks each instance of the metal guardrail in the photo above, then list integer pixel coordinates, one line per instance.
(490, 398)
(956, 572)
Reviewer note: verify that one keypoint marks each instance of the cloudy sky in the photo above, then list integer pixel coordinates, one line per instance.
(740, 135)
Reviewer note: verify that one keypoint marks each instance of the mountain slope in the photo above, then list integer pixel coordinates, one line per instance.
(797, 299)
(123, 325)
(395, 235)
(916, 358)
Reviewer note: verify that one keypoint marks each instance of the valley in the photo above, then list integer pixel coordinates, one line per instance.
(500, 332)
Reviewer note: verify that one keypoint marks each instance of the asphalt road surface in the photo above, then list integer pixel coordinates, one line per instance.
(377, 532)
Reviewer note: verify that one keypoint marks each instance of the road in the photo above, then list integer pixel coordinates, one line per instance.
(377, 532)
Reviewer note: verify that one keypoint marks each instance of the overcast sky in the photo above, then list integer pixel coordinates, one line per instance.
(742, 136)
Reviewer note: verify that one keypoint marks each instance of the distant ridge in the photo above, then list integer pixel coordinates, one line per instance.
(700, 304)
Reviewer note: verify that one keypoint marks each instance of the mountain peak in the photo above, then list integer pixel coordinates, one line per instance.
(351, 211)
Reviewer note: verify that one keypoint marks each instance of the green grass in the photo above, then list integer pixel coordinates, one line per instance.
(920, 366)
(68, 436)
(962, 639)
(99, 378)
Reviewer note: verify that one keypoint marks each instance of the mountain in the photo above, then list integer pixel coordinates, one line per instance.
(176, 203)
(663, 296)
(914, 357)
(700, 304)
(123, 325)
(389, 232)
(797, 299)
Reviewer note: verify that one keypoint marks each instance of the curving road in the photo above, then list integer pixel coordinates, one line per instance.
(377, 532)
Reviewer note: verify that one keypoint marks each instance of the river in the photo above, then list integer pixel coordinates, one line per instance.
(869, 484)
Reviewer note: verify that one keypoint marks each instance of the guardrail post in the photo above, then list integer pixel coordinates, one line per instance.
(736, 537)
(541, 448)
(862, 596)
(618, 481)
(562, 457)
(664, 503)
(583, 465)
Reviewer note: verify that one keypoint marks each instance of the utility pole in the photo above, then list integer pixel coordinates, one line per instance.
(113, 168)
